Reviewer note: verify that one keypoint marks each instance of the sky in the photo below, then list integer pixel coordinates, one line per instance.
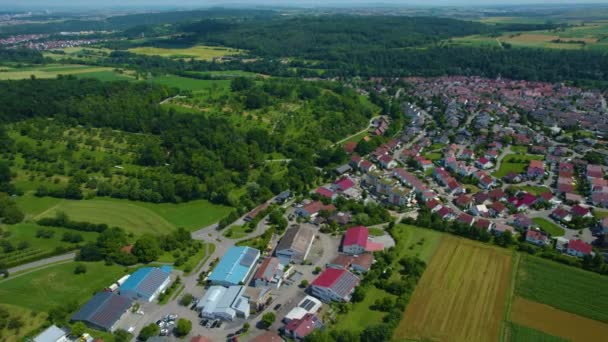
(48, 4)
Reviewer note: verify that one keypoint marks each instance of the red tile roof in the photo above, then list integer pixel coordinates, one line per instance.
(580, 211)
(580, 246)
(350, 146)
(304, 326)
(356, 236)
(325, 192)
(345, 183)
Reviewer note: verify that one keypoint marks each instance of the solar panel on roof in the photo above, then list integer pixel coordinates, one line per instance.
(307, 304)
(249, 257)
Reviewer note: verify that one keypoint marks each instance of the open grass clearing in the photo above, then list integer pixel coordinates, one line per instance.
(416, 241)
(192, 84)
(236, 232)
(26, 232)
(57, 285)
(198, 52)
(533, 189)
(548, 226)
(376, 231)
(360, 315)
(52, 71)
(136, 217)
(566, 288)
(461, 295)
(555, 322)
(518, 333)
(515, 163)
(600, 214)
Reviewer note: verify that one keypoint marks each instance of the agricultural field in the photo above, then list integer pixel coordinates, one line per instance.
(514, 163)
(135, 217)
(54, 70)
(46, 288)
(570, 289)
(590, 36)
(198, 52)
(548, 226)
(28, 246)
(191, 84)
(81, 53)
(556, 322)
(522, 333)
(461, 295)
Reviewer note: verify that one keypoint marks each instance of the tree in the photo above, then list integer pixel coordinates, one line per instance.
(15, 323)
(183, 327)
(317, 270)
(268, 319)
(80, 269)
(378, 332)
(78, 329)
(146, 249)
(148, 331)
(186, 299)
(122, 335)
(246, 326)
(304, 283)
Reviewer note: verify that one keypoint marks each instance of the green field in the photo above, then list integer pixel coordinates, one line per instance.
(376, 231)
(53, 70)
(236, 232)
(32, 320)
(566, 288)
(517, 333)
(515, 163)
(360, 316)
(57, 285)
(534, 190)
(548, 226)
(415, 241)
(433, 156)
(136, 217)
(198, 52)
(192, 84)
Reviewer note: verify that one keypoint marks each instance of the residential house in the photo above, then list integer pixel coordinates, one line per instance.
(334, 285)
(298, 329)
(366, 166)
(497, 209)
(343, 184)
(536, 169)
(463, 201)
(446, 214)
(325, 192)
(578, 248)
(295, 245)
(580, 211)
(312, 209)
(500, 228)
(479, 210)
(484, 224)
(522, 221)
(484, 163)
(465, 219)
(561, 214)
(498, 195)
(387, 162)
(536, 237)
(434, 205)
(356, 241)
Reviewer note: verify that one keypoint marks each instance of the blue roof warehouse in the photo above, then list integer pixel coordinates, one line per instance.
(103, 311)
(235, 266)
(146, 283)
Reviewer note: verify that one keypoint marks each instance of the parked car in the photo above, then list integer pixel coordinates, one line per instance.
(277, 307)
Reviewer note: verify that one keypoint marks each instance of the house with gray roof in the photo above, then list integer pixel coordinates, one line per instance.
(225, 303)
(103, 311)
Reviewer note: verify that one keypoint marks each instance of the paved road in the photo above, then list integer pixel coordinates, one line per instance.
(361, 131)
(43, 262)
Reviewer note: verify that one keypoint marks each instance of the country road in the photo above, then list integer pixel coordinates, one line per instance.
(42, 262)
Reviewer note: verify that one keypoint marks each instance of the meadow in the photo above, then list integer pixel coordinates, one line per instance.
(566, 288)
(198, 52)
(461, 296)
(46, 288)
(548, 226)
(135, 217)
(514, 163)
(192, 84)
(522, 333)
(556, 322)
(32, 320)
(54, 70)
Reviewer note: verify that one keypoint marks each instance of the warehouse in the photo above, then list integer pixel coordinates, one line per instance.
(295, 244)
(146, 283)
(103, 311)
(235, 266)
(224, 303)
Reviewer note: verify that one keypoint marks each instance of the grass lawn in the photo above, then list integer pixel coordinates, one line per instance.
(32, 320)
(360, 315)
(137, 217)
(563, 287)
(415, 241)
(515, 163)
(46, 288)
(50, 71)
(600, 214)
(519, 149)
(518, 333)
(236, 232)
(192, 84)
(199, 52)
(433, 156)
(108, 75)
(534, 190)
(548, 226)
(356, 137)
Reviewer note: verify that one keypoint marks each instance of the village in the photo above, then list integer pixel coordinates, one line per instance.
(496, 157)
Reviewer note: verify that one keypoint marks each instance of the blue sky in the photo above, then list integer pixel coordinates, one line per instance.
(202, 3)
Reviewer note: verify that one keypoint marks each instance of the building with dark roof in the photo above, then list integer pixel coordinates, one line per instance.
(103, 311)
(146, 283)
(270, 273)
(295, 244)
(334, 284)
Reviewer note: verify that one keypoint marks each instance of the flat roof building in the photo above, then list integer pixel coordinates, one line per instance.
(224, 302)
(235, 266)
(52, 334)
(295, 244)
(103, 311)
(270, 273)
(146, 283)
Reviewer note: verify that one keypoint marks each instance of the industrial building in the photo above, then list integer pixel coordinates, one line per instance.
(295, 244)
(308, 305)
(270, 274)
(52, 334)
(103, 311)
(224, 303)
(146, 283)
(235, 266)
(334, 284)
